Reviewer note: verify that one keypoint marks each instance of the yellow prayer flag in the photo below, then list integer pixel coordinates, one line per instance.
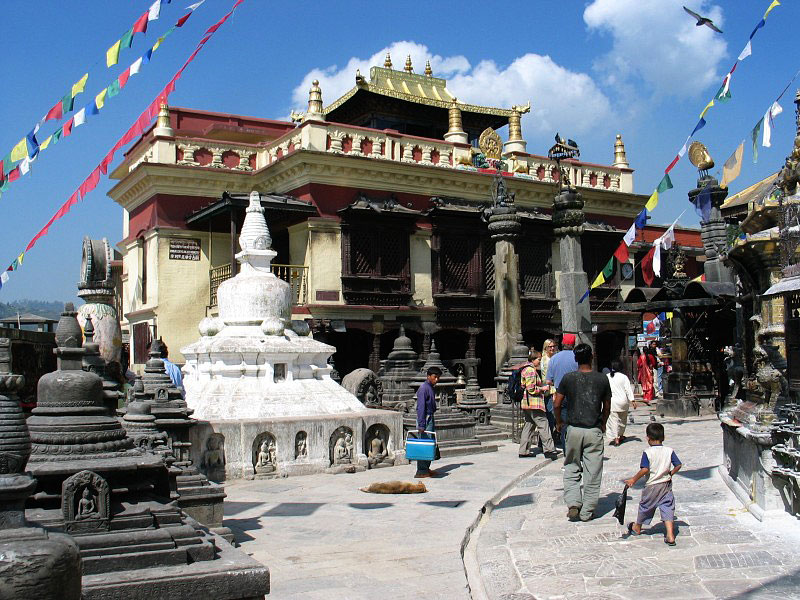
(79, 86)
(19, 151)
(732, 166)
(112, 54)
(599, 280)
(771, 6)
(652, 202)
(158, 43)
(705, 110)
(100, 99)
(46, 143)
(20, 257)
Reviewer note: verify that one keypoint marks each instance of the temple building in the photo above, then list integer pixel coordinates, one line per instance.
(375, 206)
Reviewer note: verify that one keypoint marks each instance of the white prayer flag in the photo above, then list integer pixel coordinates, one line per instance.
(25, 165)
(682, 151)
(630, 235)
(136, 66)
(748, 50)
(154, 11)
(773, 112)
(657, 259)
(195, 5)
(668, 238)
(80, 117)
(4, 276)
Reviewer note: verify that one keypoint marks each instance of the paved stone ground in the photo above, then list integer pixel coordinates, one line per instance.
(322, 538)
(527, 549)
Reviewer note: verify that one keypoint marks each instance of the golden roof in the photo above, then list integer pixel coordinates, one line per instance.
(411, 87)
(753, 192)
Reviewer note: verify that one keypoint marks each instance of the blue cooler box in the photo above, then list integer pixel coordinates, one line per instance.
(421, 449)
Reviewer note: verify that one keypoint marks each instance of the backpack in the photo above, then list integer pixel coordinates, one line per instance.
(514, 387)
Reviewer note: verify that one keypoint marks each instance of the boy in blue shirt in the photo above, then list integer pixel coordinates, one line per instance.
(659, 464)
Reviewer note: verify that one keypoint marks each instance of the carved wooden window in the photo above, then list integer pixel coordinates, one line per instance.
(378, 251)
(460, 263)
(535, 265)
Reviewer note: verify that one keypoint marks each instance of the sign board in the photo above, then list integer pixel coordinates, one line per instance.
(184, 249)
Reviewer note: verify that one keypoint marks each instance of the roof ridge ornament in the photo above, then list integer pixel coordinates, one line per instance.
(314, 100)
(387, 64)
(428, 70)
(408, 67)
(620, 158)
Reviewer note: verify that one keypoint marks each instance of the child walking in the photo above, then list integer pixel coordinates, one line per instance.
(659, 464)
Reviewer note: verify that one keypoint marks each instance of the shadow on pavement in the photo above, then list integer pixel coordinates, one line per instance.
(517, 500)
(293, 509)
(444, 503)
(241, 526)
(697, 474)
(234, 508)
(444, 471)
(783, 586)
(369, 505)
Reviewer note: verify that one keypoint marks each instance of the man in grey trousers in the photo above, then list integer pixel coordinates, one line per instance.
(587, 395)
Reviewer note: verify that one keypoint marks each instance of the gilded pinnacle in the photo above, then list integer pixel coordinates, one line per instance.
(388, 62)
(315, 98)
(620, 158)
(428, 70)
(409, 68)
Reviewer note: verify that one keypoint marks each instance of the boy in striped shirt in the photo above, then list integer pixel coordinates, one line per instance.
(659, 463)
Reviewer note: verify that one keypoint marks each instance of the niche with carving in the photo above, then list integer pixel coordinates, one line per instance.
(342, 446)
(212, 463)
(264, 453)
(376, 444)
(301, 445)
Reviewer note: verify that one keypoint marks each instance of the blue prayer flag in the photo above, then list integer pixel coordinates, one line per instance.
(702, 204)
(700, 124)
(761, 23)
(641, 219)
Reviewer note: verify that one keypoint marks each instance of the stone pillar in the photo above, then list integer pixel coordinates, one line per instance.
(97, 290)
(568, 220)
(455, 132)
(375, 355)
(505, 227)
(714, 231)
(675, 402)
(35, 563)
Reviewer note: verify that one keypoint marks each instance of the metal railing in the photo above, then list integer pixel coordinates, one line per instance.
(295, 275)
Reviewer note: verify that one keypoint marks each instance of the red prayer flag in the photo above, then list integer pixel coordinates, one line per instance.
(141, 24)
(647, 267)
(123, 77)
(183, 19)
(67, 128)
(105, 162)
(13, 174)
(673, 163)
(621, 253)
(55, 113)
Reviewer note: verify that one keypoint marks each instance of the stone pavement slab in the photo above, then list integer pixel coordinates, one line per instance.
(527, 549)
(323, 538)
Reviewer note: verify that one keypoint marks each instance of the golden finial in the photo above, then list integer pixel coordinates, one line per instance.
(699, 156)
(620, 158)
(163, 116)
(428, 70)
(409, 68)
(387, 64)
(315, 98)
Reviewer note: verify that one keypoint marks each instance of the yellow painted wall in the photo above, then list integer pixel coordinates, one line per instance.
(420, 251)
(324, 259)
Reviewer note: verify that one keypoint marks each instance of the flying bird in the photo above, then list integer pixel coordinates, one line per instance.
(703, 21)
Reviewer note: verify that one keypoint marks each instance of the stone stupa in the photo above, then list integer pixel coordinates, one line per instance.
(260, 385)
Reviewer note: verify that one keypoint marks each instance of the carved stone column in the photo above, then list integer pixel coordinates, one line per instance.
(714, 231)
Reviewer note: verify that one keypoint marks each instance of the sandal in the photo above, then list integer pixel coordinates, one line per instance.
(668, 543)
(632, 532)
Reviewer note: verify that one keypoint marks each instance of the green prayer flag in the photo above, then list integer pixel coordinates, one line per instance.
(113, 89)
(67, 102)
(665, 184)
(754, 134)
(608, 270)
(722, 94)
(127, 38)
(57, 134)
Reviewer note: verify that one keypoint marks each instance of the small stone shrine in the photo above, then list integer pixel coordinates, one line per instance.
(455, 429)
(113, 497)
(34, 563)
(196, 496)
(260, 385)
(397, 372)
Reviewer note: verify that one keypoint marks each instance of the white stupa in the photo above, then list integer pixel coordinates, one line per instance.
(261, 384)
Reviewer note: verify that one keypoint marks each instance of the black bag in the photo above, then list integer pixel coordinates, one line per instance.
(514, 386)
(619, 506)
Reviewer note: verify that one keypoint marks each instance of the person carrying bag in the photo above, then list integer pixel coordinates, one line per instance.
(534, 411)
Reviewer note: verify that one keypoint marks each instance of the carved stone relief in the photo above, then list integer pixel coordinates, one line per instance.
(341, 446)
(264, 454)
(85, 503)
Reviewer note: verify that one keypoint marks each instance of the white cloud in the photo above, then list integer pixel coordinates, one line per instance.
(560, 99)
(656, 42)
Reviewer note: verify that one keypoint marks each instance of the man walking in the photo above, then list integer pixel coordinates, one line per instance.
(426, 406)
(588, 400)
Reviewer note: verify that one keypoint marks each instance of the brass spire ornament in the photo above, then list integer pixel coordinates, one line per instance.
(515, 121)
(409, 68)
(428, 70)
(387, 64)
(699, 157)
(315, 99)
(162, 124)
(620, 158)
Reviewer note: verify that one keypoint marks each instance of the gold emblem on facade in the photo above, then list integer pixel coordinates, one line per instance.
(699, 156)
(490, 143)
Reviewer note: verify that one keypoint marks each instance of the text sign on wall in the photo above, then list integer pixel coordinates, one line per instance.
(184, 249)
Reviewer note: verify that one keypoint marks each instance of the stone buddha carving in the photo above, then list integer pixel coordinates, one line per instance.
(377, 453)
(87, 506)
(341, 451)
(265, 462)
(300, 446)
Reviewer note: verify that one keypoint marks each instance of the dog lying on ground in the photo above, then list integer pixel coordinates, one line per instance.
(395, 487)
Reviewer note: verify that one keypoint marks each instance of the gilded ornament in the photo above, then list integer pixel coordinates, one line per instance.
(490, 143)
(699, 156)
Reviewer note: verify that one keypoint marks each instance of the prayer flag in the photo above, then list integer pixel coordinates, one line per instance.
(669, 315)
(599, 280)
(773, 112)
(136, 66)
(25, 165)
(761, 23)
(113, 89)
(146, 56)
(630, 235)
(112, 55)
(46, 143)
(585, 295)
(80, 117)
(57, 134)
(100, 99)
(621, 253)
(140, 26)
(683, 149)
(647, 267)
(14, 265)
(771, 6)
(651, 327)
(79, 85)
(127, 39)
(67, 103)
(748, 50)
(700, 124)
(664, 185)
(657, 259)
(4, 277)
(67, 128)
(54, 113)
(608, 270)
(724, 92)
(154, 11)
(195, 5)
(641, 219)
(673, 163)
(732, 166)
(123, 77)
(652, 202)
(91, 108)
(754, 136)
(705, 110)
(20, 258)
(19, 151)
(702, 204)
(33, 143)
(182, 20)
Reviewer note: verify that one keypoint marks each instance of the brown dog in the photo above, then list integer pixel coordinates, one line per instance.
(395, 487)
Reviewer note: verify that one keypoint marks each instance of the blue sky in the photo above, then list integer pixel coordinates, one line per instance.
(590, 69)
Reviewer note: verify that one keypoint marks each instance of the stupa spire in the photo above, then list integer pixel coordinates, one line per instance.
(428, 70)
(387, 64)
(620, 158)
(408, 67)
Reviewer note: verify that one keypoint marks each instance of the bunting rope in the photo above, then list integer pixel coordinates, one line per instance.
(9, 173)
(133, 131)
(730, 172)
